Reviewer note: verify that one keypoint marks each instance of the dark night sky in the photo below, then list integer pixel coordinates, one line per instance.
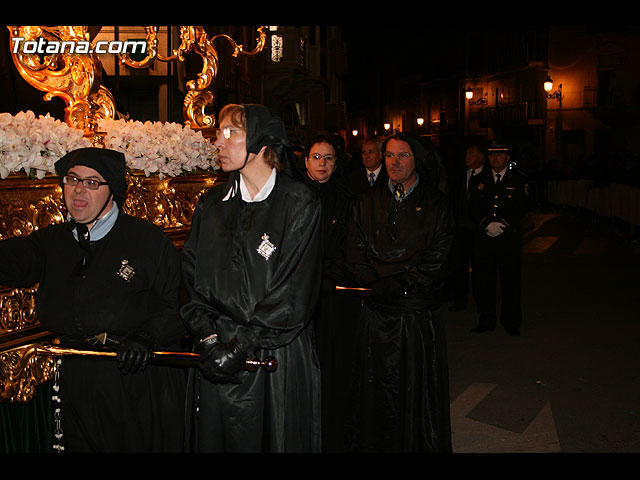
(397, 51)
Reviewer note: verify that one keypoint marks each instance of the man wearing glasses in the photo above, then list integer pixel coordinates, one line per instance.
(105, 272)
(396, 247)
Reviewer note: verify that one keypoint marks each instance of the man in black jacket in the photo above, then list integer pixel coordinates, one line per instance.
(106, 272)
(498, 201)
(372, 171)
(397, 243)
(459, 282)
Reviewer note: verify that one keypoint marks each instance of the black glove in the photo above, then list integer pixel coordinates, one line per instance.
(133, 354)
(221, 361)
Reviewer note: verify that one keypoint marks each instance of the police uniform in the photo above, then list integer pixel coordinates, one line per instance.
(497, 209)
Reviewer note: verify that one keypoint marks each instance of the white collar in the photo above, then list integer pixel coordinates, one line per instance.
(103, 225)
(501, 173)
(261, 195)
(375, 172)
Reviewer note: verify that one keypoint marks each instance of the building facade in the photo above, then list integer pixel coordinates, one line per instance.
(484, 83)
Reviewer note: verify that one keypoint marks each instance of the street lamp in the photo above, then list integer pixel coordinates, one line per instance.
(468, 93)
(548, 86)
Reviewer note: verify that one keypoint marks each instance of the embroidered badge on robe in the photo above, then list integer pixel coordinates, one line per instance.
(126, 271)
(266, 248)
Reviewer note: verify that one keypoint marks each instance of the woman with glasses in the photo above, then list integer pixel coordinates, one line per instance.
(337, 310)
(396, 247)
(251, 268)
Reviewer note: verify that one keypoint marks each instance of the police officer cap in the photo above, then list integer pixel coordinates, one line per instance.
(108, 163)
(498, 148)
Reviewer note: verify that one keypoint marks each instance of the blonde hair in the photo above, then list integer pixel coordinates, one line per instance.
(238, 117)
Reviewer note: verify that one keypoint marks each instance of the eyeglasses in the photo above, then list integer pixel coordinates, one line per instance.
(90, 183)
(228, 131)
(391, 155)
(328, 157)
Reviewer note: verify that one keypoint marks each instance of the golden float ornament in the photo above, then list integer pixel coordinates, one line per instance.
(76, 78)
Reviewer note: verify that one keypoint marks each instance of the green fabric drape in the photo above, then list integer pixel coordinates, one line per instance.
(28, 427)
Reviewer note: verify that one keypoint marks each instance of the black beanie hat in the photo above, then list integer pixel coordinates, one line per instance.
(108, 163)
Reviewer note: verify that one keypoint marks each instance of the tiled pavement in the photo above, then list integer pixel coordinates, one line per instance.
(571, 382)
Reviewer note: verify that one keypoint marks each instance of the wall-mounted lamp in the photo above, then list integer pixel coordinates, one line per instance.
(548, 86)
(468, 93)
(387, 126)
(420, 121)
(354, 132)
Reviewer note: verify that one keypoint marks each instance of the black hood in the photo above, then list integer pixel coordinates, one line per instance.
(108, 163)
(264, 129)
(420, 153)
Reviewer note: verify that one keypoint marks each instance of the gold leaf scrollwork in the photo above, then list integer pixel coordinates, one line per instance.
(21, 371)
(77, 77)
(195, 39)
(23, 210)
(168, 203)
(17, 309)
(74, 77)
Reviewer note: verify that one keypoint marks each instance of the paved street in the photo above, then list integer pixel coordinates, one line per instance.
(571, 382)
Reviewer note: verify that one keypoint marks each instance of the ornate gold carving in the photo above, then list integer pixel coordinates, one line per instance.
(29, 204)
(169, 203)
(195, 39)
(17, 308)
(74, 77)
(21, 371)
(77, 77)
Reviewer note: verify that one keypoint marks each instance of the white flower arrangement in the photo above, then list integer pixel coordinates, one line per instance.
(156, 148)
(165, 149)
(35, 144)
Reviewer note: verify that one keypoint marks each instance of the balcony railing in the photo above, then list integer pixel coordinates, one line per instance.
(595, 97)
(517, 113)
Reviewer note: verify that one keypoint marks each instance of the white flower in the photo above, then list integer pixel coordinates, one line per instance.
(33, 145)
(166, 149)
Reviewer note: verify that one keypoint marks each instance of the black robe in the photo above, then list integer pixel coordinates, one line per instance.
(102, 409)
(400, 389)
(337, 312)
(237, 292)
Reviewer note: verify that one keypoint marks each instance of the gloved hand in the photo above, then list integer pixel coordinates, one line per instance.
(133, 354)
(495, 228)
(221, 361)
